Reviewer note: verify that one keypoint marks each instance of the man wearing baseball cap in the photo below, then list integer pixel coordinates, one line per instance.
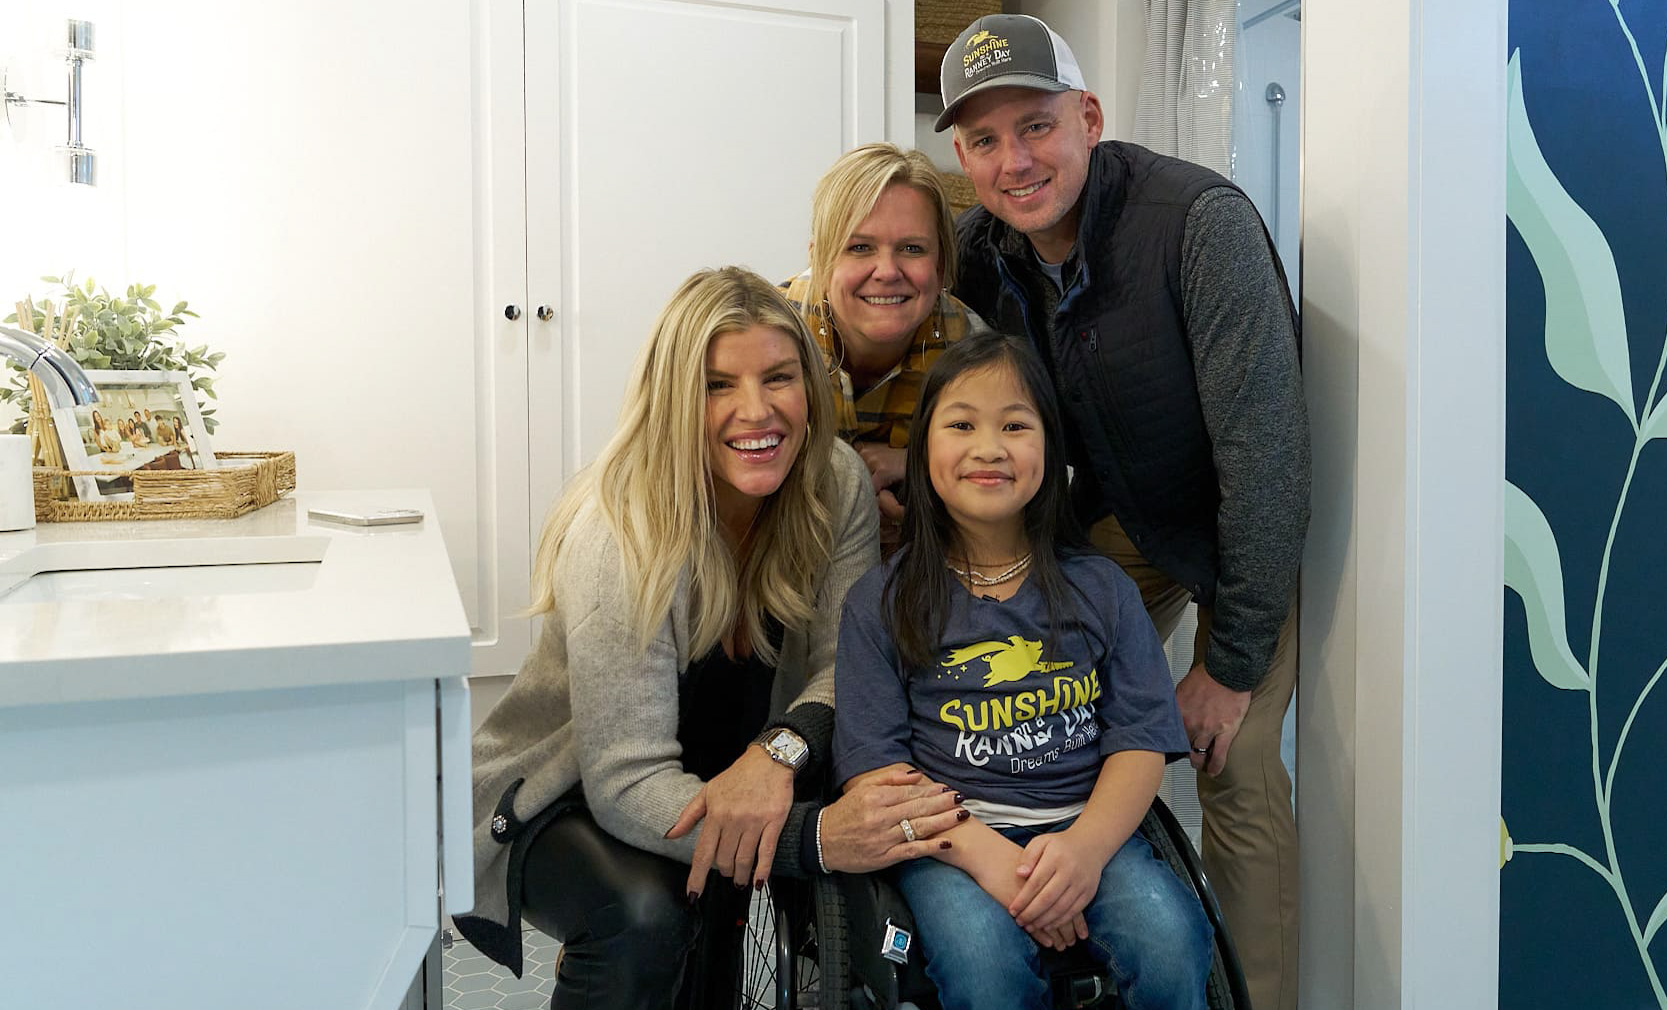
(1152, 291)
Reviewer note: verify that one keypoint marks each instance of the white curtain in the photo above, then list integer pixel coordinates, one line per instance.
(1185, 107)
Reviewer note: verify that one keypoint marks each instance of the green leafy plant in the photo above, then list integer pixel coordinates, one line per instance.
(128, 332)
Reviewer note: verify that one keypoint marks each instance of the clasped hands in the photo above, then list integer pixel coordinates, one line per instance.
(1053, 879)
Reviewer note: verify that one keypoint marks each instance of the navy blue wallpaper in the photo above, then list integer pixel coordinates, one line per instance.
(1584, 831)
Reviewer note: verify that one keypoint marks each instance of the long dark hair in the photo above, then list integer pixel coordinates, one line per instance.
(918, 590)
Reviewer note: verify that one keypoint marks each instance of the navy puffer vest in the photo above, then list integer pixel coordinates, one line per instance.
(1118, 351)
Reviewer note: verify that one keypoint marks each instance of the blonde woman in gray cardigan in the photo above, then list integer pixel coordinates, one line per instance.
(691, 582)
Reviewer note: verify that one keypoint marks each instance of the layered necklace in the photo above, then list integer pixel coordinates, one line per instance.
(974, 577)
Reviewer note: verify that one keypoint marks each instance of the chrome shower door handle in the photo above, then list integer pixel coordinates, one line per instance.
(546, 313)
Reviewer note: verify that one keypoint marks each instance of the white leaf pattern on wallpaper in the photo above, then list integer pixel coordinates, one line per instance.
(1534, 569)
(1656, 920)
(1585, 327)
(1656, 426)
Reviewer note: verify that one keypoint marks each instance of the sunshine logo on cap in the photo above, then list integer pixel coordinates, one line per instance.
(1005, 50)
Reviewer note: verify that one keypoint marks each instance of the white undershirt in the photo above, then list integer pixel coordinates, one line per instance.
(1003, 815)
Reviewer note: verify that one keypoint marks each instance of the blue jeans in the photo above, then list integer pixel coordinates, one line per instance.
(1145, 928)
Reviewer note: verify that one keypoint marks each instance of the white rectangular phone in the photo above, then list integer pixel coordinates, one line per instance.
(379, 517)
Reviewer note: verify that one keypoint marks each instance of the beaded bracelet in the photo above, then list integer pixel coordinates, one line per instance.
(820, 862)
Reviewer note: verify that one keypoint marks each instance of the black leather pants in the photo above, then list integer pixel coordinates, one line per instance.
(625, 922)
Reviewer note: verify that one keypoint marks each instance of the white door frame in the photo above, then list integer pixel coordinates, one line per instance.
(1404, 349)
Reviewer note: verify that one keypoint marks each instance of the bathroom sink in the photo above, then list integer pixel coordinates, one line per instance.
(160, 568)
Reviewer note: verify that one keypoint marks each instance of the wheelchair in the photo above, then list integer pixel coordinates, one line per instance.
(822, 943)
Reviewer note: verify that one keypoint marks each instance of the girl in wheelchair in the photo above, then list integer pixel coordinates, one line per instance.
(1003, 658)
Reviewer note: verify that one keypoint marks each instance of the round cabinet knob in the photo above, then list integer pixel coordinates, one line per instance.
(546, 313)
(512, 312)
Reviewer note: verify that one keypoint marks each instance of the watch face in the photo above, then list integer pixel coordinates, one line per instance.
(789, 747)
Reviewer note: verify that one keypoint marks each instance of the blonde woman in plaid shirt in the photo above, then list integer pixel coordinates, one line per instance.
(882, 253)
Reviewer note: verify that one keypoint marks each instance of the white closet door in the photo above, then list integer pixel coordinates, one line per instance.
(336, 188)
(664, 136)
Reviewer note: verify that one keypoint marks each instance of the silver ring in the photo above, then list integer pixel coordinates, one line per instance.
(1201, 750)
(908, 829)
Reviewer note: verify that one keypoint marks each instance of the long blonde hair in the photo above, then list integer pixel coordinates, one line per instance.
(847, 194)
(653, 481)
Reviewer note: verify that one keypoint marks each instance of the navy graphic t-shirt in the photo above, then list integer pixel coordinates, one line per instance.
(1010, 711)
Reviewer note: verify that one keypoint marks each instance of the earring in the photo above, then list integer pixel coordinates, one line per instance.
(838, 351)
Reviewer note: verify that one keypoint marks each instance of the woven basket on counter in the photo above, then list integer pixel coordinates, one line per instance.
(244, 481)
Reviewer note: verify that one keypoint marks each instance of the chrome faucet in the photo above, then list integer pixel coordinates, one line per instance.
(65, 383)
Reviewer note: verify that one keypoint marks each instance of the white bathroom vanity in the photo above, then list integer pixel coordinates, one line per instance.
(234, 759)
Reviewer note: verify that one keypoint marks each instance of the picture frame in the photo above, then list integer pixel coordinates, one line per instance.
(144, 420)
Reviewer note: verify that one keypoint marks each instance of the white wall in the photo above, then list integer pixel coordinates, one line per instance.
(1108, 39)
(51, 226)
(1403, 313)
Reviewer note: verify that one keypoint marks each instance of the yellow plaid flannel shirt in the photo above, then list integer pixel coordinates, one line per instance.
(882, 412)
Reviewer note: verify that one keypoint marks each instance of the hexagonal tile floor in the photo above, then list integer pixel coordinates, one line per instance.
(474, 982)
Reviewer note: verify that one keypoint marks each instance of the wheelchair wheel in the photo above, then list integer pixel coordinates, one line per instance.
(794, 954)
(1227, 988)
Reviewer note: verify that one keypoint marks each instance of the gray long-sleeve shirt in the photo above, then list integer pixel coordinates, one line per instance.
(1245, 364)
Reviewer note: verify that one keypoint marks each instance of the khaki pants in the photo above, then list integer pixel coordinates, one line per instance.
(1250, 833)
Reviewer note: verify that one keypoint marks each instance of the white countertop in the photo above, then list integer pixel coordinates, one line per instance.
(381, 605)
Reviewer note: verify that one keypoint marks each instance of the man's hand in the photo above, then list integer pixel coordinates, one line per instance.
(744, 809)
(885, 464)
(891, 522)
(1061, 871)
(1212, 715)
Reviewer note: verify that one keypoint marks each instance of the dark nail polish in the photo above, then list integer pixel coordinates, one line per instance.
(946, 789)
(694, 896)
(962, 814)
(740, 885)
(758, 886)
(945, 845)
(960, 798)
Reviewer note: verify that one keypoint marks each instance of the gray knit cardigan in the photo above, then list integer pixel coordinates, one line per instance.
(588, 707)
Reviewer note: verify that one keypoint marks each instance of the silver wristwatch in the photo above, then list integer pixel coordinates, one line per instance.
(787, 747)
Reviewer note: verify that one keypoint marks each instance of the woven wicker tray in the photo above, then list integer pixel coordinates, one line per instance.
(244, 481)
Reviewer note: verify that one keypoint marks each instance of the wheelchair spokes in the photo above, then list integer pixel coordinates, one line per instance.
(780, 966)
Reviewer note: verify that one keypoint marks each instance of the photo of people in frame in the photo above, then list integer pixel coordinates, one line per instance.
(135, 425)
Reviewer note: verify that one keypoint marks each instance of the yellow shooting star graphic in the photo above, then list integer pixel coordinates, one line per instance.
(1010, 661)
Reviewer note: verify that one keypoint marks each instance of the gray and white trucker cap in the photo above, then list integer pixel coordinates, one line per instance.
(1005, 51)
